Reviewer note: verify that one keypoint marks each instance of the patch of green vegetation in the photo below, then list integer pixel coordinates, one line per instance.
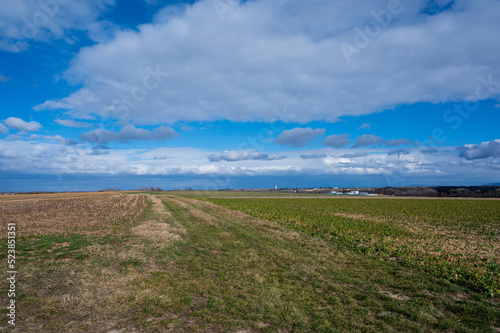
(131, 262)
(447, 238)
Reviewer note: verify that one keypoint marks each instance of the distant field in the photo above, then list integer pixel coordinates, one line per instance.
(238, 194)
(117, 262)
(456, 239)
(230, 194)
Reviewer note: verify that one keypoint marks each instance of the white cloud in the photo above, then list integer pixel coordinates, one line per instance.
(235, 156)
(482, 151)
(3, 78)
(337, 141)
(299, 137)
(367, 140)
(72, 123)
(365, 126)
(21, 125)
(271, 54)
(127, 133)
(3, 129)
(22, 21)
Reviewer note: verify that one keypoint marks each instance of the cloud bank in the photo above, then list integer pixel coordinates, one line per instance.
(52, 156)
(235, 156)
(189, 65)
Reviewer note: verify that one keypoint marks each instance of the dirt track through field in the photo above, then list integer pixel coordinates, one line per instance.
(163, 228)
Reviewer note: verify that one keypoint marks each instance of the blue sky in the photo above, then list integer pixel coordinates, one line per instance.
(220, 93)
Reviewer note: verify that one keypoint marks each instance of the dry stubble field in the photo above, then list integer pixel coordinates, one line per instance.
(117, 262)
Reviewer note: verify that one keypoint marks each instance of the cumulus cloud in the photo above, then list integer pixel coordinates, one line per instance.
(3, 129)
(235, 156)
(22, 21)
(128, 133)
(482, 151)
(287, 54)
(365, 126)
(367, 140)
(72, 123)
(337, 141)
(399, 142)
(299, 137)
(313, 156)
(21, 125)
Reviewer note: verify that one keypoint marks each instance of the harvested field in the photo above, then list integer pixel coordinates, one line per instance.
(54, 214)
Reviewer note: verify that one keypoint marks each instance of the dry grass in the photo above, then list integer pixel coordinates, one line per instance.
(196, 208)
(82, 255)
(52, 214)
(157, 230)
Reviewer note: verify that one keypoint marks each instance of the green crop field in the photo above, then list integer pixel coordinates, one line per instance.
(454, 239)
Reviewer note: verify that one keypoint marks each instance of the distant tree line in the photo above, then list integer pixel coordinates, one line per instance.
(150, 189)
(109, 189)
(441, 191)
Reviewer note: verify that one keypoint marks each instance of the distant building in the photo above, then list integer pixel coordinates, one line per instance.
(351, 193)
